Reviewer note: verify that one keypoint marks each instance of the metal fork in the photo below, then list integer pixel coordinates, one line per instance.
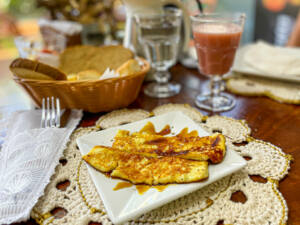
(50, 112)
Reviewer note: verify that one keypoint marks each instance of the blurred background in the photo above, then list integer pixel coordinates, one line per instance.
(104, 20)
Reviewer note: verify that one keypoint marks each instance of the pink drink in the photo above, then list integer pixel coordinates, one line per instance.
(216, 44)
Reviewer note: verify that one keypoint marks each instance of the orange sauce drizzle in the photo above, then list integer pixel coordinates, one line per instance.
(184, 133)
(142, 188)
(122, 185)
(194, 133)
(107, 175)
(166, 130)
(149, 128)
(160, 188)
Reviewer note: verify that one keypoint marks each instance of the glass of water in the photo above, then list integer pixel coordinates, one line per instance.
(159, 34)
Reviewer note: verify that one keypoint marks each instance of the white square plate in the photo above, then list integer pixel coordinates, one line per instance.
(127, 204)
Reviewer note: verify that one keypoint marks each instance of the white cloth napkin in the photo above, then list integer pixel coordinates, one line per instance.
(273, 60)
(28, 158)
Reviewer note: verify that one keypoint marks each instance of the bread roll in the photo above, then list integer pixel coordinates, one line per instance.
(29, 69)
(81, 58)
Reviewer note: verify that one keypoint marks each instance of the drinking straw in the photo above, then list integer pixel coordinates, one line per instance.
(199, 3)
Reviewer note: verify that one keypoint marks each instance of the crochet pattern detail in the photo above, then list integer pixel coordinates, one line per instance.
(276, 90)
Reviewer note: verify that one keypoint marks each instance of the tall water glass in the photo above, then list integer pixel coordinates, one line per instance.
(159, 33)
(217, 37)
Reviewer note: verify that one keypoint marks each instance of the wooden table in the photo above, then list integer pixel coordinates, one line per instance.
(269, 120)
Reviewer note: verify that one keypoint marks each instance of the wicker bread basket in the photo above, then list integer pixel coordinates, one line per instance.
(92, 96)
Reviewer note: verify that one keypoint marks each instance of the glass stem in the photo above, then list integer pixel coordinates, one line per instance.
(215, 85)
(162, 76)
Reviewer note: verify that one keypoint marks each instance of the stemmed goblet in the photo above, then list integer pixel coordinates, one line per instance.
(159, 34)
(217, 37)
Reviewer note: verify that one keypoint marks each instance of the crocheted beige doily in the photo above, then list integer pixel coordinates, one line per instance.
(264, 203)
(274, 89)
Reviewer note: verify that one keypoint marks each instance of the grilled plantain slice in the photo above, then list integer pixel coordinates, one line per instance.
(140, 169)
(184, 145)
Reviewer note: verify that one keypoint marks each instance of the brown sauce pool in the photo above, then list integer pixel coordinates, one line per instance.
(139, 187)
(142, 188)
(160, 188)
(149, 128)
(122, 185)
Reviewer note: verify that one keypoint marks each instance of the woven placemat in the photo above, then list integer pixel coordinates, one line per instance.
(263, 204)
(280, 91)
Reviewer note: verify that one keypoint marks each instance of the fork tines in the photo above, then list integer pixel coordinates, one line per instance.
(50, 112)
